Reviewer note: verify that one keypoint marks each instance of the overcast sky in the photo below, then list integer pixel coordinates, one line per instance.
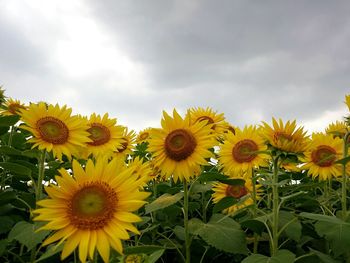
(248, 59)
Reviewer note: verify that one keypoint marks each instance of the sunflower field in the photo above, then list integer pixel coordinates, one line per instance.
(195, 189)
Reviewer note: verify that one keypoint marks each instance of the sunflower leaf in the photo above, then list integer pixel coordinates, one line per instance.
(163, 201)
(221, 232)
(224, 203)
(7, 121)
(282, 256)
(16, 168)
(343, 161)
(25, 234)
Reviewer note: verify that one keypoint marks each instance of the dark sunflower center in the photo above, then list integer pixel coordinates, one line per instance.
(99, 134)
(324, 156)
(53, 130)
(93, 206)
(236, 191)
(14, 108)
(179, 144)
(245, 151)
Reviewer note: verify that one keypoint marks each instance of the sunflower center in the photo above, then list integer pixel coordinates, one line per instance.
(52, 130)
(124, 146)
(324, 156)
(14, 108)
(244, 151)
(93, 206)
(236, 191)
(99, 134)
(179, 144)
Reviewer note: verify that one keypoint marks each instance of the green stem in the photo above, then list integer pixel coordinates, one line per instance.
(256, 238)
(275, 204)
(187, 236)
(39, 185)
(345, 177)
(9, 143)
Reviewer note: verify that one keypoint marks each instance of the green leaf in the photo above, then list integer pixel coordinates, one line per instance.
(50, 251)
(33, 153)
(3, 245)
(179, 232)
(282, 256)
(25, 234)
(212, 176)
(293, 230)
(224, 203)
(7, 121)
(220, 232)
(7, 150)
(7, 196)
(154, 256)
(146, 249)
(200, 188)
(163, 201)
(255, 225)
(343, 161)
(338, 234)
(16, 168)
(6, 224)
(323, 257)
(324, 218)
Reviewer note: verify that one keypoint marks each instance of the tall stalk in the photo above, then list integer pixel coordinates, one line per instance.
(344, 178)
(39, 184)
(275, 207)
(256, 238)
(187, 236)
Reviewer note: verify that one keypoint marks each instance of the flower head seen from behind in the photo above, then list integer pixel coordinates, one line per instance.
(54, 129)
(321, 156)
(209, 116)
(127, 145)
(286, 137)
(180, 147)
(106, 136)
(12, 107)
(240, 151)
(92, 209)
(243, 194)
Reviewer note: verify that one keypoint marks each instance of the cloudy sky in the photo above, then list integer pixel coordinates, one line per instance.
(248, 59)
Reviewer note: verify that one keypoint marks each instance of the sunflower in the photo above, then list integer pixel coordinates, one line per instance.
(106, 136)
(210, 117)
(54, 129)
(127, 145)
(92, 208)
(347, 101)
(240, 151)
(180, 147)
(321, 156)
(144, 135)
(337, 129)
(142, 169)
(12, 107)
(241, 192)
(285, 137)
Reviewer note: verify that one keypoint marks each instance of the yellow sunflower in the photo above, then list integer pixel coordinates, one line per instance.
(127, 145)
(92, 208)
(106, 136)
(239, 151)
(144, 135)
(347, 101)
(286, 137)
(12, 107)
(321, 156)
(242, 192)
(142, 169)
(210, 117)
(180, 147)
(337, 129)
(54, 129)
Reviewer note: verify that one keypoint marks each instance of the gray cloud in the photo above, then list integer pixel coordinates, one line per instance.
(249, 59)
